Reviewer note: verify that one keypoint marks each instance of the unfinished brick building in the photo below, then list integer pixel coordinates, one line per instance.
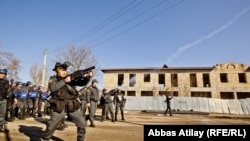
(225, 81)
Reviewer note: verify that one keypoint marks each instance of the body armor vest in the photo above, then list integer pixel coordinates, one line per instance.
(3, 89)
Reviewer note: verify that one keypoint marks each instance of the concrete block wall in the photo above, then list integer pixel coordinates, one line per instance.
(211, 105)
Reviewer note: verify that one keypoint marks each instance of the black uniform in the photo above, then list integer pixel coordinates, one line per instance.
(168, 98)
(10, 115)
(64, 101)
(40, 101)
(83, 98)
(119, 102)
(5, 92)
(107, 104)
(93, 97)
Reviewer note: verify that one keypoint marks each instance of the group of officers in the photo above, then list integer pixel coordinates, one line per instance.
(62, 99)
(25, 100)
(19, 100)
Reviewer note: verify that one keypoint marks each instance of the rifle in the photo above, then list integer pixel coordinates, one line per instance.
(77, 77)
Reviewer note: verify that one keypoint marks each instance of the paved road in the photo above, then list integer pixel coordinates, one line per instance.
(131, 129)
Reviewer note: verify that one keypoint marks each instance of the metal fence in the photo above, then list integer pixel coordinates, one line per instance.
(199, 104)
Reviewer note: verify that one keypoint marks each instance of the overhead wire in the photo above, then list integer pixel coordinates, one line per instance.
(115, 16)
(141, 22)
(131, 19)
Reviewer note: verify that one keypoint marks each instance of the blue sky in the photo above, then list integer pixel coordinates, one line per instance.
(128, 33)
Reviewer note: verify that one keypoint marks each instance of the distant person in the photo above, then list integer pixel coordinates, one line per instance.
(93, 94)
(107, 103)
(83, 97)
(168, 99)
(5, 92)
(30, 89)
(22, 94)
(10, 115)
(41, 97)
(119, 102)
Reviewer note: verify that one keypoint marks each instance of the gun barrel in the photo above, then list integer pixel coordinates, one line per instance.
(76, 77)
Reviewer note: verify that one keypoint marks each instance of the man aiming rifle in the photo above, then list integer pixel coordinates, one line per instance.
(64, 100)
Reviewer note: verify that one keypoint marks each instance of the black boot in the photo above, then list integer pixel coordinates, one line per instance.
(113, 119)
(11, 117)
(92, 124)
(115, 116)
(34, 113)
(22, 114)
(16, 112)
(81, 134)
(39, 115)
(122, 114)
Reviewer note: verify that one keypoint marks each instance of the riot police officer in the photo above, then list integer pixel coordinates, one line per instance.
(83, 97)
(21, 94)
(64, 101)
(30, 89)
(107, 102)
(10, 115)
(40, 100)
(5, 92)
(119, 102)
(92, 100)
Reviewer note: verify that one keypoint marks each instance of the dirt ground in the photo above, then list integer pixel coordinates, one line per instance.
(129, 130)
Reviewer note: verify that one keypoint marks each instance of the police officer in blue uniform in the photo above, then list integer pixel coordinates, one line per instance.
(64, 102)
(29, 87)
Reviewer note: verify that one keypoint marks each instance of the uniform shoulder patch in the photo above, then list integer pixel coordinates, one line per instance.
(87, 90)
(52, 79)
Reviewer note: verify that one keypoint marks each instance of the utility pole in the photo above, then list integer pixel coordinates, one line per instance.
(44, 67)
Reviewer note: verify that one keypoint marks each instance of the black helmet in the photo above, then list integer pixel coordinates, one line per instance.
(3, 71)
(18, 83)
(94, 80)
(64, 65)
(28, 83)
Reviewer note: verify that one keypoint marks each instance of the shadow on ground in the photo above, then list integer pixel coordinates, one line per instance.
(34, 132)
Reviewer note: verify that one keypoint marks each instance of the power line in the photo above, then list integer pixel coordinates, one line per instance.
(107, 21)
(139, 23)
(131, 19)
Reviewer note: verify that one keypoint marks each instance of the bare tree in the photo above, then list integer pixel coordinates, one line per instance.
(36, 73)
(9, 61)
(80, 57)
